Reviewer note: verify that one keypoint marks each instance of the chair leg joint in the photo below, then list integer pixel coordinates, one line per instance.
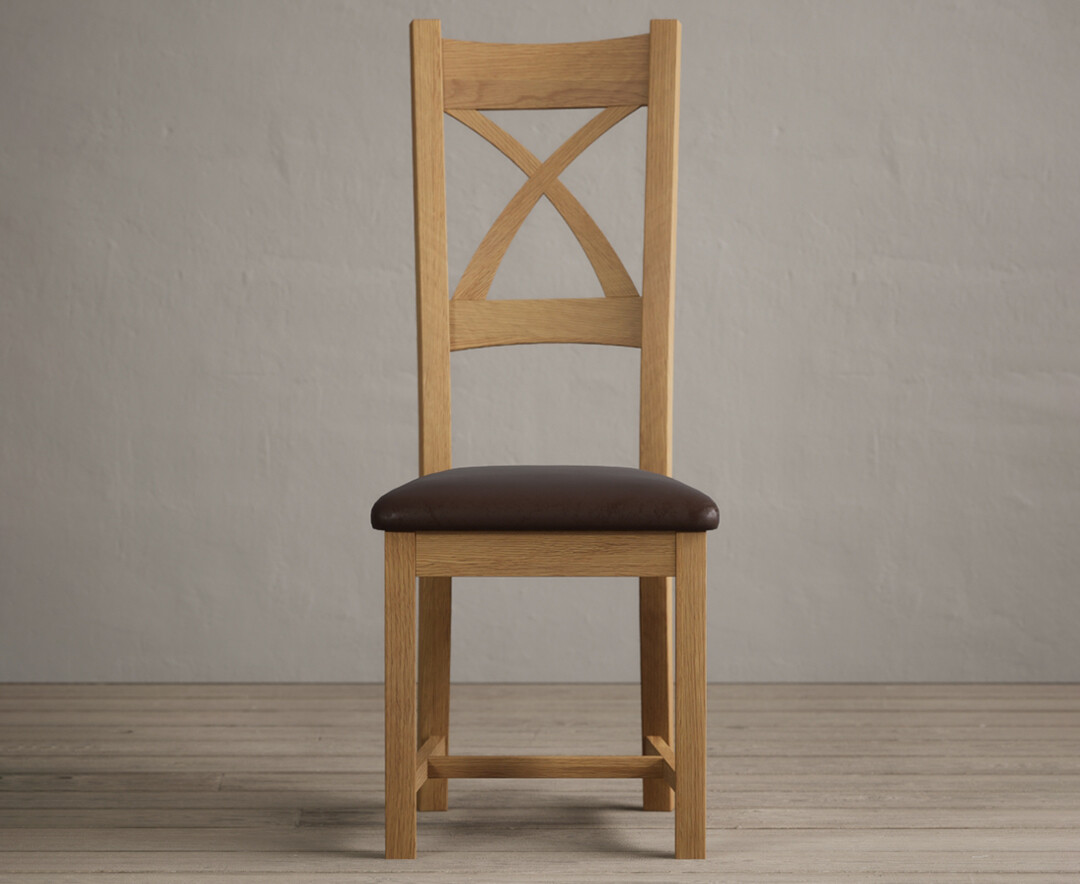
(659, 746)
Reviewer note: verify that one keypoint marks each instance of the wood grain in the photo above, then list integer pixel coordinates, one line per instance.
(662, 747)
(400, 700)
(658, 280)
(545, 553)
(615, 321)
(429, 218)
(492, 76)
(546, 766)
(433, 675)
(430, 746)
(657, 680)
(690, 739)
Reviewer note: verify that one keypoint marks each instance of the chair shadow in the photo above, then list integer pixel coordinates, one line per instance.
(611, 825)
(350, 823)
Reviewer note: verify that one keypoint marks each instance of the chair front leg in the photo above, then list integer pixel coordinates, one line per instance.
(690, 639)
(400, 695)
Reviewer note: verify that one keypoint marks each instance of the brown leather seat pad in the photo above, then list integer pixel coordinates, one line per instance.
(544, 498)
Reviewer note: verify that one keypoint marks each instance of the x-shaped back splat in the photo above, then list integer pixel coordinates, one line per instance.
(543, 181)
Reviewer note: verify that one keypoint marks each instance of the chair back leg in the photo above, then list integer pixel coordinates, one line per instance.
(657, 694)
(433, 714)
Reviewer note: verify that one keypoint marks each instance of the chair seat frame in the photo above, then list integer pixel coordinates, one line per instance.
(443, 555)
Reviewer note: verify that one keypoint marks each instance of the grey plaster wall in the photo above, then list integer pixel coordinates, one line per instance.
(207, 358)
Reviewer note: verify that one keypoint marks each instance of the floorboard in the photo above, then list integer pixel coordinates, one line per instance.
(283, 783)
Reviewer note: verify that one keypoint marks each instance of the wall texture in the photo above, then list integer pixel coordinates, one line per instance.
(207, 358)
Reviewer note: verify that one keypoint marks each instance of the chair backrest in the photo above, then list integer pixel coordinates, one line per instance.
(462, 79)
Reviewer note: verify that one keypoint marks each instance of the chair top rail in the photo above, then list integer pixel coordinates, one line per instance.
(504, 76)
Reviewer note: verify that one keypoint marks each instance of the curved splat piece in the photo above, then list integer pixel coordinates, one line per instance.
(476, 280)
(611, 271)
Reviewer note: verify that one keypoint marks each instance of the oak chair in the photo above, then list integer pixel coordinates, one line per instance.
(545, 520)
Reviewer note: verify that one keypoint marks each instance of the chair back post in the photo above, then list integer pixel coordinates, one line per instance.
(429, 218)
(658, 277)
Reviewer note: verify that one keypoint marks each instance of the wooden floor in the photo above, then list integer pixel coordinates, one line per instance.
(808, 783)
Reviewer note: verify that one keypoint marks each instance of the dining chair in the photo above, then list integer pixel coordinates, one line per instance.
(563, 521)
